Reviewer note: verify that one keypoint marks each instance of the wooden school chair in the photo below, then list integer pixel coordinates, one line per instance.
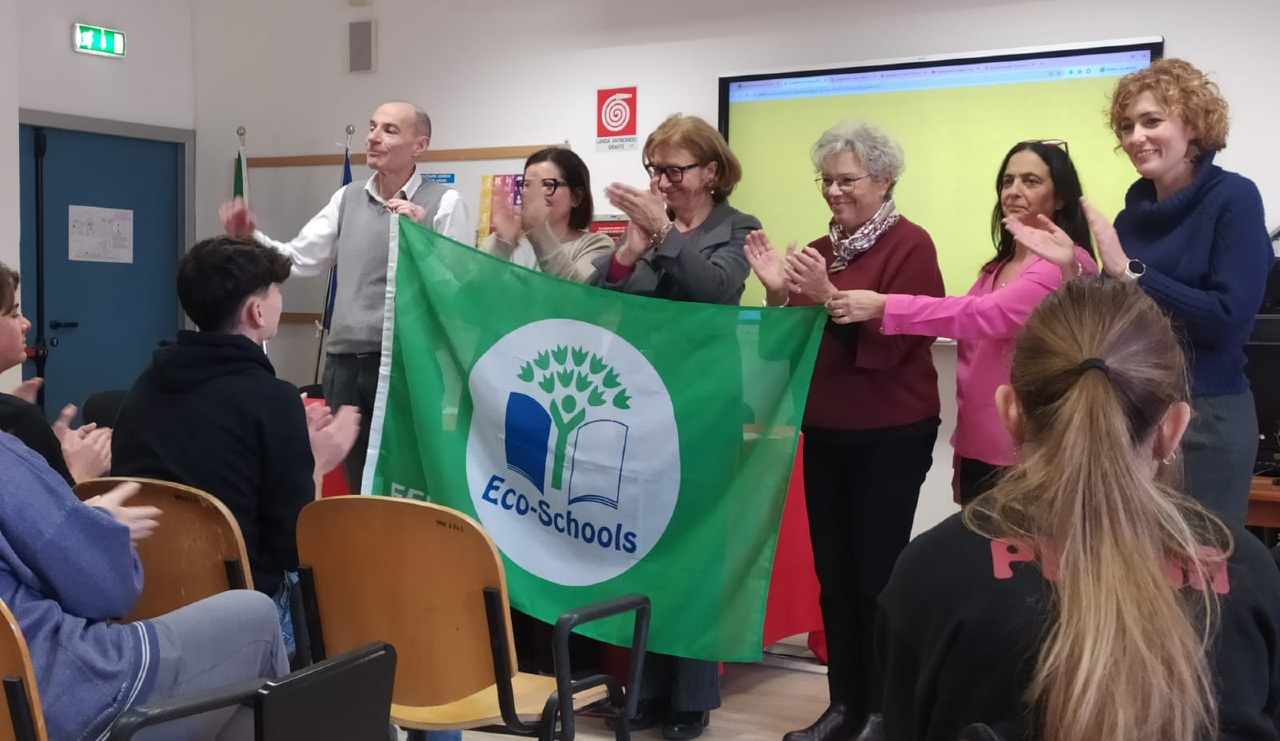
(196, 552)
(430, 581)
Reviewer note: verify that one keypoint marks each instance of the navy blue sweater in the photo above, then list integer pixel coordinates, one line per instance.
(1207, 255)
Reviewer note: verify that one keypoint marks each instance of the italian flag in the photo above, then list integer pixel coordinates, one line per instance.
(240, 189)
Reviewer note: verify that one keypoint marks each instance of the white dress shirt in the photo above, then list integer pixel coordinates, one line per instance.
(314, 250)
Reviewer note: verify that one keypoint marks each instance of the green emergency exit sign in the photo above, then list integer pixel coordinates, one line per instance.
(104, 42)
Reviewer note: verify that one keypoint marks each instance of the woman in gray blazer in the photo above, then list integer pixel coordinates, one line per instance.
(685, 240)
(685, 243)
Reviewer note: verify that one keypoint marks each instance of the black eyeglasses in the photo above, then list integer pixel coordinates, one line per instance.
(549, 185)
(674, 173)
(1061, 143)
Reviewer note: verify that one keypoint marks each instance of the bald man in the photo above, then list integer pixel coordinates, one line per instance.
(353, 231)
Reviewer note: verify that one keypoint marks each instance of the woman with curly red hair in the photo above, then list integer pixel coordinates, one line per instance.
(1192, 236)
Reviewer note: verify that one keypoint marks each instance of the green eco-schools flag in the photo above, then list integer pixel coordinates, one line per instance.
(610, 444)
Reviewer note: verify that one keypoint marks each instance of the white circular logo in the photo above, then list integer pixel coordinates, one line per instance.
(573, 457)
(615, 114)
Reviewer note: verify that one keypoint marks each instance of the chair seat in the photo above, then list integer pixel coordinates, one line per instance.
(481, 709)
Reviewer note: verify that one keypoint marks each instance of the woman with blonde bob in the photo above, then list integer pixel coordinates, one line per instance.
(1192, 235)
(685, 240)
(1083, 597)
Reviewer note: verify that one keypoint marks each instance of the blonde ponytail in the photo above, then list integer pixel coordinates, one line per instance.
(1125, 656)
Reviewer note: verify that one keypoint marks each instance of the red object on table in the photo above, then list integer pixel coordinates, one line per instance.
(334, 483)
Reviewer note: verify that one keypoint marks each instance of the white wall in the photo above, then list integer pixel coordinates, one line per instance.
(492, 72)
(9, 164)
(153, 84)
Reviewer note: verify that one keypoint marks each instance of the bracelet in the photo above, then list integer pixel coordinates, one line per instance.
(768, 305)
(660, 236)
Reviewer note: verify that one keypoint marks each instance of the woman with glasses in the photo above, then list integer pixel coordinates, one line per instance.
(872, 414)
(684, 244)
(549, 230)
(685, 240)
(1037, 191)
(1192, 235)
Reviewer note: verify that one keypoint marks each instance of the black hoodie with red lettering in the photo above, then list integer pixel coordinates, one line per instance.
(210, 413)
(962, 620)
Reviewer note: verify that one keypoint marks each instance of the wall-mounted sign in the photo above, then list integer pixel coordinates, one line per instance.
(103, 42)
(616, 120)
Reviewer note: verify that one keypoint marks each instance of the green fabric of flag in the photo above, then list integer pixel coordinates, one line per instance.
(610, 444)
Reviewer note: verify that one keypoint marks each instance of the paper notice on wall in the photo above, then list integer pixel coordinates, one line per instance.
(100, 234)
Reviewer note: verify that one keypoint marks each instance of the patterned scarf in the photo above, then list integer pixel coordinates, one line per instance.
(848, 246)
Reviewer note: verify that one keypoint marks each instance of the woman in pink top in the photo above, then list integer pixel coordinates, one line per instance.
(1037, 187)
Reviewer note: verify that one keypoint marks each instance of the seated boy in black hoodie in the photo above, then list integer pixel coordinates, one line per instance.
(210, 413)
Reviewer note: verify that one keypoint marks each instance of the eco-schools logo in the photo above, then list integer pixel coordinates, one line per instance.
(573, 458)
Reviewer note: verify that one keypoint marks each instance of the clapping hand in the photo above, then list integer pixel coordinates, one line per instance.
(237, 219)
(1110, 253)
(534, 211)
(86, 449)
(769, 267)
(29, 389)
(506, 217)
(807, 271)
(1044, 238)
(332, 435)
(645, 208)
(141, 521)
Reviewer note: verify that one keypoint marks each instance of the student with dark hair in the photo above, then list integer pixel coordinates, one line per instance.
(74, 454)
(550, 230)
(1037, 190)
(210, 413)
(1084, 597)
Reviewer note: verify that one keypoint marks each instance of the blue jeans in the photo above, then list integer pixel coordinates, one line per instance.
(284, 610)
(1219, 450)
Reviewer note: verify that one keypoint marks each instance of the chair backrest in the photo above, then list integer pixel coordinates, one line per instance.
(196, 552)
(411, 574)
(19, 682)
(103, 407)
(344, 698)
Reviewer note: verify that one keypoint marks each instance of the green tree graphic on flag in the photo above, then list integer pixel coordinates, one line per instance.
(576, 380)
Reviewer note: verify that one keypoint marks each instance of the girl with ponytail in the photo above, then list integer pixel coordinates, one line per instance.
(1083, 598)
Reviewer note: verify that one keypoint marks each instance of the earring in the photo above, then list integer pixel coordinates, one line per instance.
(1169, 459)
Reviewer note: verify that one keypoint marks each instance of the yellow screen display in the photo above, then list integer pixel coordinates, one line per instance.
(954, 140)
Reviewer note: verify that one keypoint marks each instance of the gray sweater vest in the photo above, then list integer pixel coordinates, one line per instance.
(364, 233)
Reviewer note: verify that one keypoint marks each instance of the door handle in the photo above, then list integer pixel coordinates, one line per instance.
(55, 324)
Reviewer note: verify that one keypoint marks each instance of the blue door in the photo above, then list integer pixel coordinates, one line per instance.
(100, 320)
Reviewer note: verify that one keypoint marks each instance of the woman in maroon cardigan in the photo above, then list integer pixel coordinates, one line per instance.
(872, 415)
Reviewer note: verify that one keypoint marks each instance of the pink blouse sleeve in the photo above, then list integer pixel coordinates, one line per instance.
(994, 316)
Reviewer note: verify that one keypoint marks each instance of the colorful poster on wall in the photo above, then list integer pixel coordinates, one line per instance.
(493, 190)
(616, 120)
